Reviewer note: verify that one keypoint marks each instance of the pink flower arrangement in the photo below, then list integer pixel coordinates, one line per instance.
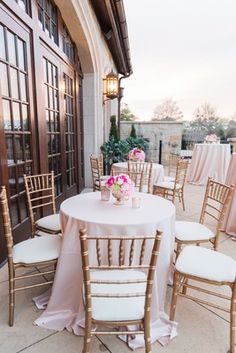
(136, 154)
(121, 183)
(211, 138)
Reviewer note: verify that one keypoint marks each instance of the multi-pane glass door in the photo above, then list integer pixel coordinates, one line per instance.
(40, 106)
(17, 115)
(70, 132)
(60, 116)
(53, 127)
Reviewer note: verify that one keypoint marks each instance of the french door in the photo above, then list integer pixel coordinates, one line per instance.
(41, 124)
(16, 119)
(61, 123)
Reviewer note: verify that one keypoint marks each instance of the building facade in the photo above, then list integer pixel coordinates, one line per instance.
(53, 58)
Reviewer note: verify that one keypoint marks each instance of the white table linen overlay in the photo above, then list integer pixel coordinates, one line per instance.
(208, 160)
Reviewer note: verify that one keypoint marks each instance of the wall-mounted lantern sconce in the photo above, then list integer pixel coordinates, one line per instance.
(111, 87)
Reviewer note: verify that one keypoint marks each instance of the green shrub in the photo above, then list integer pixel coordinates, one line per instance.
(117, 151)
(139, 142)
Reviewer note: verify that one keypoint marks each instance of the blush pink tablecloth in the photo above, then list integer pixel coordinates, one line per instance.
(229, 225)
(65, 307)
(208, 160)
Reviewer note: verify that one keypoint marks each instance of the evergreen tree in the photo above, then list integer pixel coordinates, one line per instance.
(133, 132)
(126, 114)
(113, 128)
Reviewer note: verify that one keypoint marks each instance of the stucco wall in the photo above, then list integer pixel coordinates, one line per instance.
(170, 133)
(96, 62)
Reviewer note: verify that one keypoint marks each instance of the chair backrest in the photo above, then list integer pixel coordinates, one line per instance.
(146, 169)
(172, 163)
(181, 171)
(136, 177)
(6, 225)
(119, 253)
(40, 193)
(215, 203)
(99, 157)
(96, 172)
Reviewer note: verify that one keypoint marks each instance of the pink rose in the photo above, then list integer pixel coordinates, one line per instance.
(110, 182)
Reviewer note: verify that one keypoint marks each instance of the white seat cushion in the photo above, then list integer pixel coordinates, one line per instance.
(169, 178)
(192, 231)
(206, 263)
(116, 309)
(37, 249)
(104, 177)
(51, 222)
(167, 185)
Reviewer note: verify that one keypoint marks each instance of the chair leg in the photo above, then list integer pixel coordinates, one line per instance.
(178, 250)
(87, 333)
(182, 198)
(232, 320)
(11, 301)
(147, 338)
(179, 196)
(174, 296)
(184, 290)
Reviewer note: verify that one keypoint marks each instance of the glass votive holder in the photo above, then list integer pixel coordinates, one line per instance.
(136, 201)
(105, 194)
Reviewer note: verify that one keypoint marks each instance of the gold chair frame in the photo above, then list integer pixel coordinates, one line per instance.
(136, 177)
(146, 169)
(172, 164)
(178, 184)
(40, 193)
(96, 162)
(181, 283)
(216, 200)
(12, 267)
(124, 262)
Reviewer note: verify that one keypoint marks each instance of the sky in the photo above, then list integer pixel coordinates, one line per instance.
(184, 50)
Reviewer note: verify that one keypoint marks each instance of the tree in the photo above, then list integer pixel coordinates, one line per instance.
(231, 128)
(205, 114)
(205, 121)
(126, 114)
(113, 128)
(133, 132)
(167, 110)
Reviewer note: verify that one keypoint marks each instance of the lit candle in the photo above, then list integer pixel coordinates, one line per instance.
(136, 202)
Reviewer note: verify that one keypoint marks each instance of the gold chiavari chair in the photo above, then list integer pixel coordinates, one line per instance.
(197, 268)
(40, 194)
(37, 252)
(215, 203)
(172, 166)
(146, 169)
(172, 189)
(98, 177)
(117, 291)
(136, 177)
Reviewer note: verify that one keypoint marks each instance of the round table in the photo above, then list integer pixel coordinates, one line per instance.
(208, 160)
(65, 308)
(157, 170)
